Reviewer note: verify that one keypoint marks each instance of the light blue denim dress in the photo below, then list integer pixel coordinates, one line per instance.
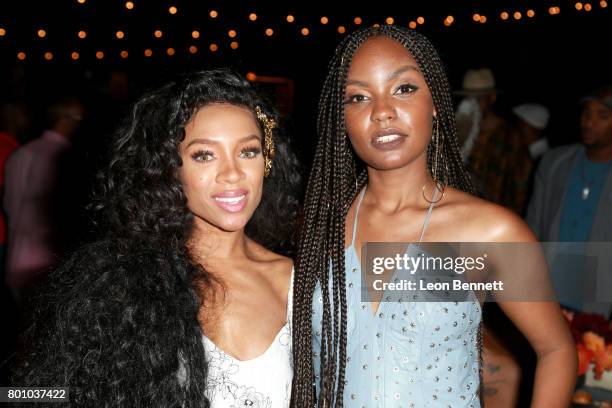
(407, 354)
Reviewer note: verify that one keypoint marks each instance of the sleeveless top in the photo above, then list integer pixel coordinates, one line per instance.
(261, 382)
(407, 354)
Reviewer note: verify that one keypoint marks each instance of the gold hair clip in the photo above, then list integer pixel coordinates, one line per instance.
(268, 149)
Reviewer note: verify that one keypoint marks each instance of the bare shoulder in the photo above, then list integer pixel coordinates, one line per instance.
(478, 220)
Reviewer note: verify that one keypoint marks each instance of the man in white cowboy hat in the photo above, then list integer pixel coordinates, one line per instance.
(484, 137)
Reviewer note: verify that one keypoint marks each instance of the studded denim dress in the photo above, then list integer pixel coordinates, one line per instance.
(407, 354)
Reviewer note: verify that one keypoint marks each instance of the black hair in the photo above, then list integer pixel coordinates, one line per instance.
(336, 177)
(119, 319)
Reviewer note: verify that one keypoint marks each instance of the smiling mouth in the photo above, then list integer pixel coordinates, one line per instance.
(387, 139)
(230, 200)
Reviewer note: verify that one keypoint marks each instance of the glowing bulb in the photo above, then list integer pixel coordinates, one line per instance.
(213, 13)
(231, 33)
(250, 76)
(504, 15)
(389, 20)
(483, 19)
(252, 16)
(82, 34)
(158, 34)
(517, 15)
(357, 20)
(148, 52)
(170, 51)
(578, 6)
(81, 1)
(172, 10)
(476, 17)
(324, 20)
(588, 7)
(193, 49)
(412, 24)
(375, 25)
(195, 34)
(75, 55)
(2, 32)
(450, 19)
(341, 30)
(124, 54)
(234, 45)
(603, 4)
(269, 32)
(21, 56)
(213, 47)
(530, 13)
(120, 34)
(290, 18)
(99, 55)
(129, 5)
(42, 33)
(48, 56)
(305, 31)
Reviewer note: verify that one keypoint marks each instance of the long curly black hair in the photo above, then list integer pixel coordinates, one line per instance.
(118, 319)
(336, 177)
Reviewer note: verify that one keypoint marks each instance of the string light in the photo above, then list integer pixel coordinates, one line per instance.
(412, 24)
(421, 20)
(120, 34)
(172, 10)
(517, 15)
(48, 56)
(290, 18)
(82, 34)
(476, 17)
(148, 52)
(504, 15)
(530, 13)
(234, 45)
(42, 33)
(170, 51)
(195, 34)
(250, 76)
(483, 19)
(269, 32)
(588, 7)
(124, 54)
(21, 56)
(213, 14)
(75, 55)
(81, 1)
(305, 31)
(389, 20)
(231, 33)
(2, 32)
(357, 20)
(341, 29)
(252, 16)
(99, 55)
(129, 5)
(193, 49)
(375, 25)
(603, 4)
(158, 33)
(449, 20)
(213, 47)
(324, 20)
(578, 6)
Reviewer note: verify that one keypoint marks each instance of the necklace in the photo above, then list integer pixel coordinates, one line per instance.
(586, 189)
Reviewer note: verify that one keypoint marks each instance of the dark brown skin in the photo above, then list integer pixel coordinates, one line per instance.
(596, 126)
(386, 90)
(222, 152)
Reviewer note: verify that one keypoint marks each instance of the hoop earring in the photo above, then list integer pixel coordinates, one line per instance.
(439, 185)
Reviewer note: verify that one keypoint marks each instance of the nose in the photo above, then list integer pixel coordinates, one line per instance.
(229, 172)
(383, 110)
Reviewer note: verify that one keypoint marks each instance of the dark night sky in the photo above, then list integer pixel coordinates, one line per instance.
(552, 59)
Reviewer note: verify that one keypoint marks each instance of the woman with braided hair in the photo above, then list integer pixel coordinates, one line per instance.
(387, 155)
(182, 302)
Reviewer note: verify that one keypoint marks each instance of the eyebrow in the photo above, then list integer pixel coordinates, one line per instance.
(201, 140)
(391, 76)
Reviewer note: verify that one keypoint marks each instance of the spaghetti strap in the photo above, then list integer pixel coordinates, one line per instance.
(357, 215)
(428, 216)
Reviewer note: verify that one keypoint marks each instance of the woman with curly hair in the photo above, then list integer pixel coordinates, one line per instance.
(182, 302)
(387, 169)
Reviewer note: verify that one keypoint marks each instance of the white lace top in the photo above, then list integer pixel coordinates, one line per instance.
(262, 382)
